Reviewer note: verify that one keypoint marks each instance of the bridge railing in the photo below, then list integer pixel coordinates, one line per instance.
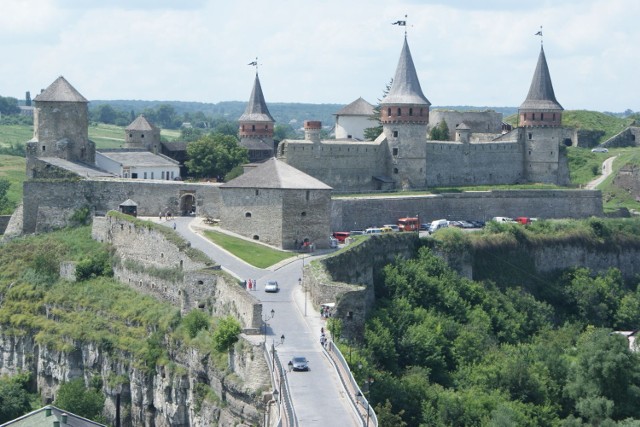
(280, 383)
(366, 412)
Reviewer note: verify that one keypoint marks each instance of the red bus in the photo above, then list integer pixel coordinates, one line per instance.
(408, 224)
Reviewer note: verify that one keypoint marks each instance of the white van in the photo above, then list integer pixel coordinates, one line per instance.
(437, 225)
(502, 219)
(373, 230)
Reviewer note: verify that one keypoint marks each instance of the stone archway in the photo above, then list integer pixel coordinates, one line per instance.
(188, 204)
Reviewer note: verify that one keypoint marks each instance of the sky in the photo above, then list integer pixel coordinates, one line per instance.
(466, 52)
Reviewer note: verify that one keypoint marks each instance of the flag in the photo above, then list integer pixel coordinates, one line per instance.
(539, 33)
(401, 23)
(253, 63)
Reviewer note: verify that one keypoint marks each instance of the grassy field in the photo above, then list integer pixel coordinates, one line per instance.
(15, 135)
(12, 168)
(585, 166)
(252, 253)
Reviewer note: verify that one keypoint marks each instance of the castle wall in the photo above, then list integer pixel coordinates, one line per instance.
(359, 213)
(345, 166)
(50, 204)
(542, 153)
(477, 121)
(306, 215)
(627, 138)
(458, 164)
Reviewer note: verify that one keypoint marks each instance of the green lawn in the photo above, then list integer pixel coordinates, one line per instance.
(585, 166)
(15, 134)
(252, 253)
(12, 168)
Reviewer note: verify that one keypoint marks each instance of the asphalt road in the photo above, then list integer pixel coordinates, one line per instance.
(318, 395)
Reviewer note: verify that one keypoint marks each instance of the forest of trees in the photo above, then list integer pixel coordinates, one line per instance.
(442, 350)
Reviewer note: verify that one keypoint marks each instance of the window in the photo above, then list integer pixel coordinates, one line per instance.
(554, 117)
(253, 127)
(162, 174)
(247, 215)
(307, 195)
(257, 192)
(411, 111)
(395, 170)
(172, 174)
(542, 116)
(145, 175)
(530, 135)
(399, 111)
(142, 135)
(44, 148)
(395, 133)
(151, 175)
(388, 112)
(395, 151)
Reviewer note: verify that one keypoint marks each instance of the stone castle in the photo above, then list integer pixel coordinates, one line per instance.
(285, 198)
(403, 158)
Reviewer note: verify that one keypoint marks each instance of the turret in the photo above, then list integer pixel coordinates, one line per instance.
(256, 126)
(541, 107)
(312, 130)
(462, 133)
(405, 102)
(142, 134)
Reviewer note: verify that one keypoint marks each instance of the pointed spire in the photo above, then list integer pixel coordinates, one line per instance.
(541, 95)
(256, 110)
(405, 88)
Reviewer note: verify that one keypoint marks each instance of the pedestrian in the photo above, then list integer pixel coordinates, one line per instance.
(322, 340)
(321, 331)
(160, 216)
(255, 284)
(174, 225)
(290, 364)
(250, 284)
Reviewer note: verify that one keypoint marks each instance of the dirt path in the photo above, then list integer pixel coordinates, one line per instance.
(607, 169)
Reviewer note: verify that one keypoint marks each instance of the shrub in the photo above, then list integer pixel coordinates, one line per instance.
(194, 322)
(97, 265)
(74, 397)
(226, 334)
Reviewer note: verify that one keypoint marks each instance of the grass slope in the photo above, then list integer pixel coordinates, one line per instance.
(12, 168)
(252, 253)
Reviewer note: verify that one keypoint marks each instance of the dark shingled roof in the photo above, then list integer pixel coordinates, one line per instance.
(541, 96)
(60, 91)
(405, 88)
(359, 107)
(257, 110)
(141, 123)
(276, 174)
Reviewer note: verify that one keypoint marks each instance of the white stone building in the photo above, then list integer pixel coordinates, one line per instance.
(137, 164)
(353, 119)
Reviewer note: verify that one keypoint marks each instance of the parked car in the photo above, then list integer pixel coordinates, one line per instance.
(424, 226)
(502, 219)
(476, 223)
(373, 230)
(386, 229)
(437, 225)
(523, 220)
(271, 286)
(356, 233)
(342, 235)
(300, 363)
(393, 227)
(333, 242)
(599, 150)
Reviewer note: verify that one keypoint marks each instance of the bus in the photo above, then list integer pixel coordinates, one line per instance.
(409, 224)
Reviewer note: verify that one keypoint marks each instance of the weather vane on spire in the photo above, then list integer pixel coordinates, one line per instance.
(402, 24)
(255, 64)
(539, 33)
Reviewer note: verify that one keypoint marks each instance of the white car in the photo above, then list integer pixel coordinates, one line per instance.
(271, 286)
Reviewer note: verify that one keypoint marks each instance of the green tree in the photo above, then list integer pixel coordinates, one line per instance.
(166, 116)
(15, 400)
(106, 114)
(74, 397)
(226, 334)
(214, 155)
(9, 105)
(281, 132)
(386, 417)
(440, 132)
(604, 381)
(373, 132)
(189, 134)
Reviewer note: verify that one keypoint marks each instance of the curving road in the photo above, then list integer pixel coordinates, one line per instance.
(318, 395)
(607, 169)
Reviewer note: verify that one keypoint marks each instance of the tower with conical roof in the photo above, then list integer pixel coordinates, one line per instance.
(404, 113)
(256, 126)
(142, 134)
(541, 107)
(60, 125)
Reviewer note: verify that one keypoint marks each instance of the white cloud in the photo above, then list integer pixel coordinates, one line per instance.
(466, 52)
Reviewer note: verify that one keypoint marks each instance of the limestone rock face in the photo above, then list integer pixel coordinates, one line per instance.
(161, 397)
